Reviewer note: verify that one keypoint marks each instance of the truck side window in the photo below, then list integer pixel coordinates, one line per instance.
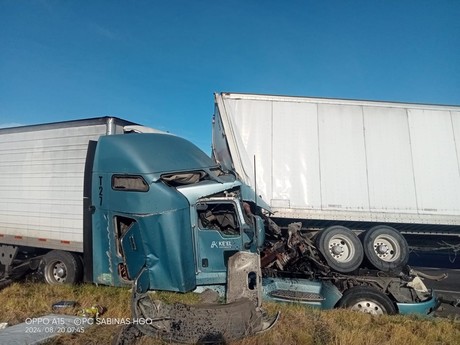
(122, 224)
(129, 183)
(221, 217)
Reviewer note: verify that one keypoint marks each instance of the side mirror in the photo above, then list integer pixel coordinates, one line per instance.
(250, 232)
(142, 281)
(259, 230)
(256, 234)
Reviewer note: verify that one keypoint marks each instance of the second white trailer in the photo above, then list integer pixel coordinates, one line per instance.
(344, 160)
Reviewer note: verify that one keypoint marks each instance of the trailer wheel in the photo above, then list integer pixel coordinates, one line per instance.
(385, 248)
(62, 267)
(368, 300)
(341, 248)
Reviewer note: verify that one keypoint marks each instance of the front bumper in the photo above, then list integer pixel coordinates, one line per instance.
(426, 307)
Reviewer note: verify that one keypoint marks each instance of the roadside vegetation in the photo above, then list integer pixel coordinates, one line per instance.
(297, 325)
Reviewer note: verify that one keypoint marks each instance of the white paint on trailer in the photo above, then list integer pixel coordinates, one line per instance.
(346, 160)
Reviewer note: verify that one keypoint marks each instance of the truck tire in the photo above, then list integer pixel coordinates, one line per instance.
(341, 248)
(62, 267)
(368, 300)
(385, 248)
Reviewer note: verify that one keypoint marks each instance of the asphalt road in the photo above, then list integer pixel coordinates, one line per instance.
(436, 264)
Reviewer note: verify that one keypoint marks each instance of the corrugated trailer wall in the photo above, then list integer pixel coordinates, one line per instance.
(349, 160)
(41, 184)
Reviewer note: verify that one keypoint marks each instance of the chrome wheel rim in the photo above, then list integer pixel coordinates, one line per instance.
(341, 248)
(56, 272)
(368, 307)
(386, 248)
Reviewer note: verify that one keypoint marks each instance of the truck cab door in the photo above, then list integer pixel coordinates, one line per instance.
(133, 250)
(219, 233)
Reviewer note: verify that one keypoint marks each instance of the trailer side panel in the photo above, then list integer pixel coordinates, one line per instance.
(42, 175)
(331, 159)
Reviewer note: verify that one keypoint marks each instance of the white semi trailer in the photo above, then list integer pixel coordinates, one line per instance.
(45, 181)
(343, 163)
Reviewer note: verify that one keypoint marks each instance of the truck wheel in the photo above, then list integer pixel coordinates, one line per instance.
(385, 248)
(367, 300)
(341, 248)
(62, 267)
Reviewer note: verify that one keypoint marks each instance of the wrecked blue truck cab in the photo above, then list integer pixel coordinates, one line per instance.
(151, 207)
(162, 209)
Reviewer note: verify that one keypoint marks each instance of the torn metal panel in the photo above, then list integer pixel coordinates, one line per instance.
(202, 323)
(244, 278)
(205, 323)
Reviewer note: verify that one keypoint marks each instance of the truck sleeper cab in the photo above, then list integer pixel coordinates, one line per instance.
(151, 207)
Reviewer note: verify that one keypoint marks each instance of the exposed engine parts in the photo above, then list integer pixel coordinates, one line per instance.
(291, 253)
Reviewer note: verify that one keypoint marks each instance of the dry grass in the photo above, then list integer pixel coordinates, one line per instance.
(298, 325)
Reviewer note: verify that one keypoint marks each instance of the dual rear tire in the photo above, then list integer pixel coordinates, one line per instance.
(381, 247)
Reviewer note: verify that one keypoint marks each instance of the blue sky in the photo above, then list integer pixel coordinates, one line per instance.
(159, 62)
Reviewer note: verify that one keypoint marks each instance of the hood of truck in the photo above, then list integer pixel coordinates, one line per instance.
(150, 153)
(206, 189)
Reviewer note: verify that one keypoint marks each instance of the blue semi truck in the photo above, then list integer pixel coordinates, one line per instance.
(110, 202)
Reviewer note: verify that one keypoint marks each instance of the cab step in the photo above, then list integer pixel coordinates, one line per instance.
(296, 295)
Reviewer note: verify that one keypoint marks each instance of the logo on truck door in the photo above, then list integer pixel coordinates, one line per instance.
(221, 244)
